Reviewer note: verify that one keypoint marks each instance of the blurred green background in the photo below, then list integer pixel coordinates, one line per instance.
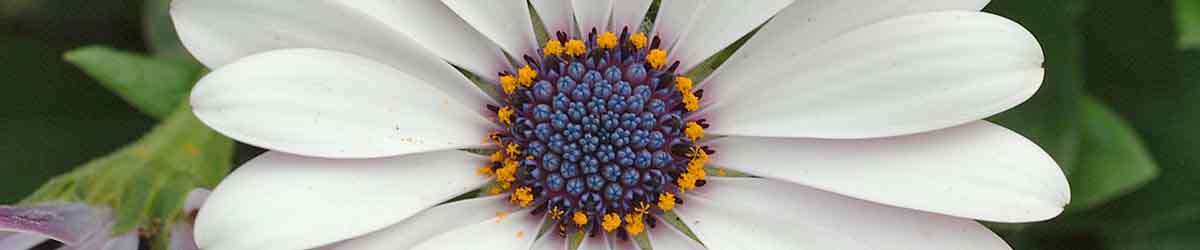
(1119, 108)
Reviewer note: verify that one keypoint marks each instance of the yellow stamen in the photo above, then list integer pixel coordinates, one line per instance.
(575, 47)
(485, 171)
(698, 152)
(656, 58)
(509, 84)
(694, 131)
(683, 84)
(686, 182)
(507, 174)
(642, 208)
(634, 224)
(497, 157)
(666, 201)
(691, 102)
(607, 40)
(505, 115)
(526, 75)
(556, 213)
(500, 215)
(553, 48)
(522, 197)
(579, 218)
(513, 150)
(494, 137)
(495, 190)
(638, 40)
(611, 222)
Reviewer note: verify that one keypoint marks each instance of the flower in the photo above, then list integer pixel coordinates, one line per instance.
(73, 225)
(861, 120)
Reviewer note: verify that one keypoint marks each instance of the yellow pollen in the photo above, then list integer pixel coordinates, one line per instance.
(505, 115)
(556, 213)
(497, 156)
(520, 233)
(507, 174)
(495, 190)
(495, 138)
(691, 102)
(666, 201)
(634, 224)
(657, 58)
(638, 40)
(607, 40)
(522, 197)
(721, 172)
(513, 150)
(485, 171)
(698, 152)
(642, 208)
(553, 48)
(575, 47)
(683, 84)
(694, 131)
(526, 75)
(500, 215)
(686, 182)
(579, 218)
(509, 84)
(611, 222)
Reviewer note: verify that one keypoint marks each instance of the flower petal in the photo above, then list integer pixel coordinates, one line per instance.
(183, 237)
(195, 199)
(429, 223)
(806, 24)
(69, 223)
(505, 22)
(750, 213)
(20, 241)
(592, 14)
(980, 170)
(595, 242)
(665, 236)
(629, 13)
(331, 104)
(437, 28)
(551, 241)
(902, 76)
(514, 231)
(718, 24)
(556, 15)
(219, 32)
(674, 18)
(289, 202)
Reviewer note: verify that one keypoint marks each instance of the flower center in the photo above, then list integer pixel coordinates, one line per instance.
(596, 133)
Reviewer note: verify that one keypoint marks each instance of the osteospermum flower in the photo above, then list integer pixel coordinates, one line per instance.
(859, 118)
(71, 225)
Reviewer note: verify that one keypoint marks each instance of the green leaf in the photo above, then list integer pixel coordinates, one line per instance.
(148, 181)
(1050, 118)
(1112, 159)
(1178, 238)
(154, 86)
(161, 37)
(1187, 21)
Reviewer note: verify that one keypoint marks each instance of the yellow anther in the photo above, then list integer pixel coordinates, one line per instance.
(507, 174)
(694, 131)
(500, 215)
(509, 84)
(485, 171)
(691, 102)
(513, 150)
(657, 58)
(579, 218)
(686, 182)
(607, 40)
(611, 222)
(520, 233)
(505, 115)
(522, 196)
(575, 47)
(666, 201)
(697, 152)
(495, 190)
(553, 48)
(634, 224)
(494, 137)
(526, 75)
(721, 172)
(683, 84)
(638, 40)
(556, 213)
(642, 208)
(497, 156)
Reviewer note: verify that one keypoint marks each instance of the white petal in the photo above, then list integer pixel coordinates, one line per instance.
(674, 18)
(805, 24)
(515, 231)
(629, 13)
(128, 241)
(902, 76)
(505, 22)
(551, 241)
(980, 170)
(437, 28)
(665, 236)
(288, 202)
(331, 104)
(592, 14)
(183, 237)
(429, 223)
(748, 213)
(195, 199)
(20, 241)
(218, 32)
(718, 24)
(595, 242)
(556, 15)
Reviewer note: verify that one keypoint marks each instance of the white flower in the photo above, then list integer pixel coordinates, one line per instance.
(862, 118)
(72, 225)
